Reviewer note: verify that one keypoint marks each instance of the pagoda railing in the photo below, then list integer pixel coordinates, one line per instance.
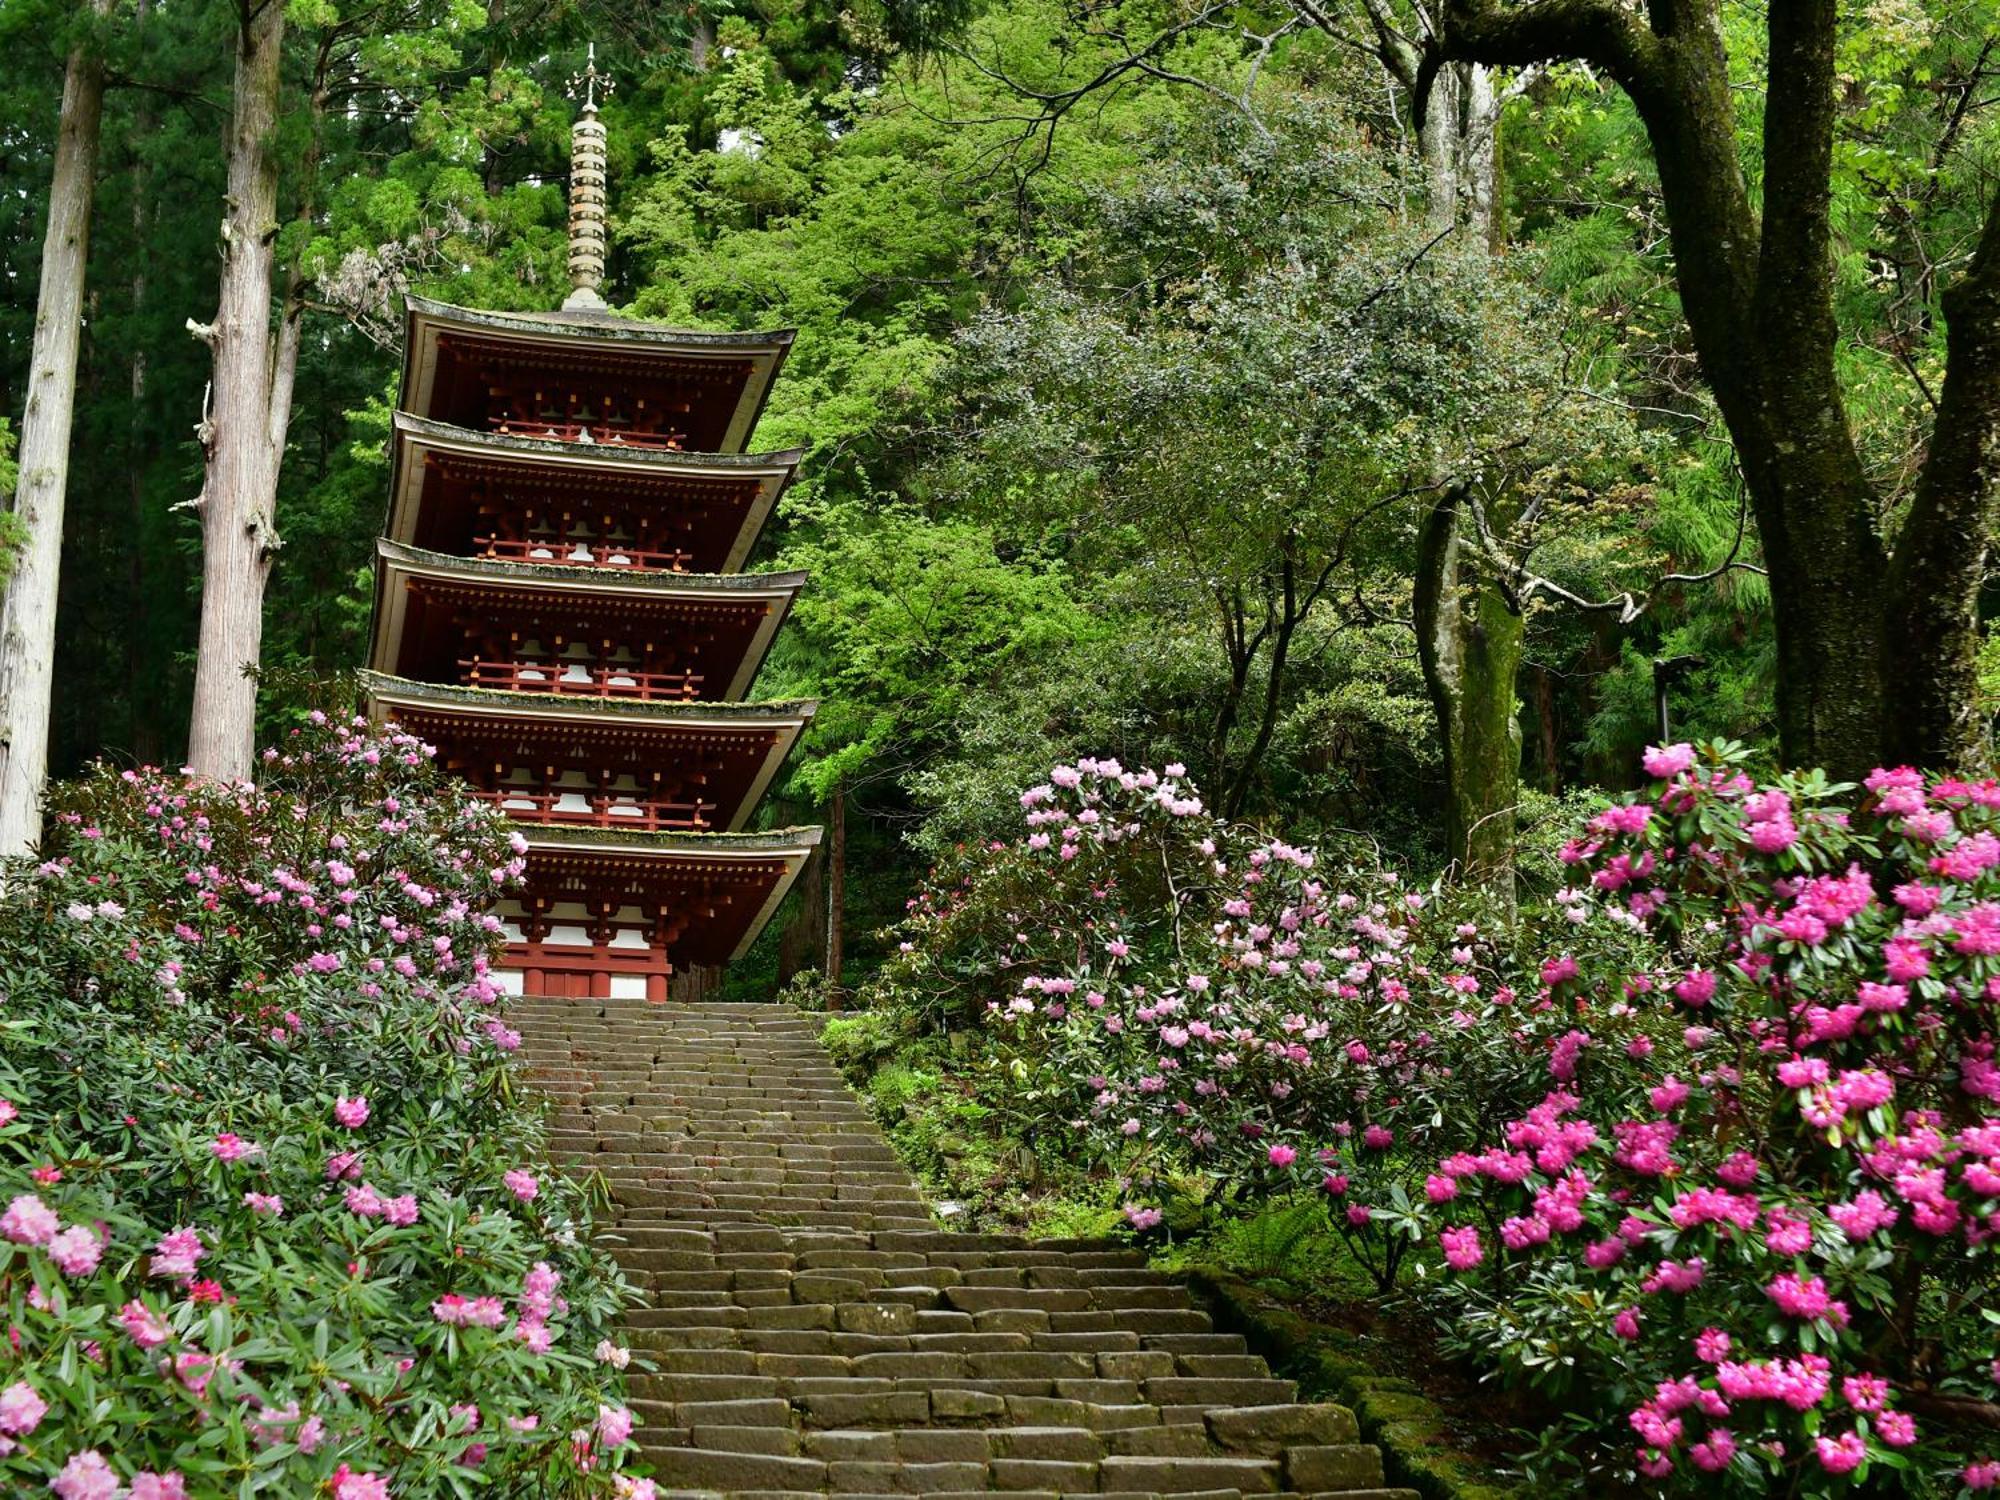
(583, 681)
(548, 431)
(579, 554)
(529, 806)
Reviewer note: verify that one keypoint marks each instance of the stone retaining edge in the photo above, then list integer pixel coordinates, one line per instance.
(1417, 1447)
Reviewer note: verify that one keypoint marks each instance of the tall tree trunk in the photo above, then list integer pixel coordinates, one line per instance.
(28, 618)
(245, 427)
(1874, 648)
(141, 726)
(1469, 643)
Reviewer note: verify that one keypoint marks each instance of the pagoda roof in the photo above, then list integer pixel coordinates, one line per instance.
(572, 726)
(665, 480)
(735, 369)
(762, 863)
(746, 608)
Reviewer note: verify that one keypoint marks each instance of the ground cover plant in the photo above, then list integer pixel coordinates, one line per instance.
(1704, 1146)
(272, 1219)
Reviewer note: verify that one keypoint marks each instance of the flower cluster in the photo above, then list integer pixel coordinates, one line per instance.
(260, 1162)
(1716, 1122)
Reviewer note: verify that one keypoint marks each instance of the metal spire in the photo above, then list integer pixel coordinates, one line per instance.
(586, 190)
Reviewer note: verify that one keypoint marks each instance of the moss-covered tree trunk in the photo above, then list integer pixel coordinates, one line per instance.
(1875, 643)
(1469, 642)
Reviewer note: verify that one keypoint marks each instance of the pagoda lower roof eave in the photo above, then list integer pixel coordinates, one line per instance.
(790, 846)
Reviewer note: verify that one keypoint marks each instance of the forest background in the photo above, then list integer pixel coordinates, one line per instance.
(1174, 386)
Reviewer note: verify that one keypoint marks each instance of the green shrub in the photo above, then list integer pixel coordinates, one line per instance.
(277, 1221)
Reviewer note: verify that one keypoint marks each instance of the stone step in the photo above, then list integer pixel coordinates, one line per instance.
(807, 1328)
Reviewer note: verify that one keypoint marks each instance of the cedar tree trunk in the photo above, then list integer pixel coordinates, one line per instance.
(28, 618)
(245, 428)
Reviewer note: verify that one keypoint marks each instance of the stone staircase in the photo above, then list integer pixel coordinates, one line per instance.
(813, 1331)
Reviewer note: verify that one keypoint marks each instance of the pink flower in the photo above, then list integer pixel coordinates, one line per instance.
(402, 1212)
(21, 1408)
(1843, 1454)
(1864, 1215)
(1981, 1474)
(1626, 1324)
(348, 1485)
(1462, 1250)
(232, 1147)
(1665, 762)
(1282, 1156)
(29, 1221)
(146, 1485)
(1669, 1096)
(86, 1477)
(264, 1203)
(147, 1328)
(1713, 1453)
(76, 1250)
(521, 1184)
(1898, 1429)
(1440, 1189)
(1711, 1346)
(1804, 1297)
(353, 1113)
(614, 1426)
(364, 1202)
(1865, 1393)
(1378, 1138)
(1141, 1218)
(175, 1255)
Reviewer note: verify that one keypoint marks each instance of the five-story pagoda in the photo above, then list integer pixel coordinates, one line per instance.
(558, 609)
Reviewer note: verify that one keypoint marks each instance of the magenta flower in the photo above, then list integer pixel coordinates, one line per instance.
(1843, 1454)
(1282, 1156)
(352, 1113)
(1462, 1250)
(522, 1184)
(1665, 762)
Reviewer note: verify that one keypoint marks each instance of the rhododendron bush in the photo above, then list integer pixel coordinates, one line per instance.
(271, 1219)
(1707, 1144)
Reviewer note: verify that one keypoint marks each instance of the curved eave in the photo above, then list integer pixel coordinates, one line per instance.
(794, 846)
(425, 319)
(415, 438)
(785, 721)
(398, 562)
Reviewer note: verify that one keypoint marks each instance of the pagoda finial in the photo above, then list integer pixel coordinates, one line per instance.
(586, 190)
